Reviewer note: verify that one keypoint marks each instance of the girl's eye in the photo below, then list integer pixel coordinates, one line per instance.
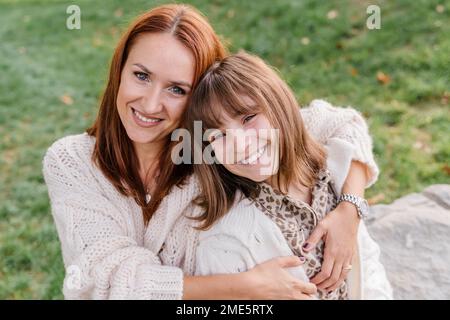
(248, 118)
(178, 91)
(141, 76)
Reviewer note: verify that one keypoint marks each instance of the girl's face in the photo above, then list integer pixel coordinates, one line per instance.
(248, 145)
(156, 82)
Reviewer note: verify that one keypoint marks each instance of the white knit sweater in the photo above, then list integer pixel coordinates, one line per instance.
(107, 251)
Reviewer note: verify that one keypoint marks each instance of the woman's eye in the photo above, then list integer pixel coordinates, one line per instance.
(178, 90)
(248, 118)
(141, 76)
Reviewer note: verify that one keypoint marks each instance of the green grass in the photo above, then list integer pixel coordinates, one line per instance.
(41, 61)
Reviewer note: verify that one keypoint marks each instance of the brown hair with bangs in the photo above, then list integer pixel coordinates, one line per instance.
(114, 151)
(221, 90)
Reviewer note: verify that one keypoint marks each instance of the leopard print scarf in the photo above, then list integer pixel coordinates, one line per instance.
(296, 220)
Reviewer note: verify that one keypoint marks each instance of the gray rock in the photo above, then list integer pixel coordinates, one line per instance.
(414, 236)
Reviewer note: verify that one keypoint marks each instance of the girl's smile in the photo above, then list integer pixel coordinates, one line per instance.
(253, 159)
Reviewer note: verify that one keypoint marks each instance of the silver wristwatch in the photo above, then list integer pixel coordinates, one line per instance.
(360, 203)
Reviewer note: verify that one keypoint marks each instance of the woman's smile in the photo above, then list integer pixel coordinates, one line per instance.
(143, 120)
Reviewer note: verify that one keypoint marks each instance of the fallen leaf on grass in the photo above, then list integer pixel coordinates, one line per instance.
(305, 41)
(446, 169)
(445, 98)
(66, 99)
(97, 42)
(332, 14)
(353, 72)
(383, 78)
(114, 31)
(440, 8)
(118, 13)
(87, 115)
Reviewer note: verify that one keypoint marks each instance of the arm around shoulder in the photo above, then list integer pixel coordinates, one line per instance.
(327, 123)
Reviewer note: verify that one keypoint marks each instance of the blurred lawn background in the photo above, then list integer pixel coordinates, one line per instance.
(51, 79)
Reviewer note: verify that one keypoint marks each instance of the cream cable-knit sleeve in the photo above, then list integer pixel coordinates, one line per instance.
(100, 237)
(325, 122)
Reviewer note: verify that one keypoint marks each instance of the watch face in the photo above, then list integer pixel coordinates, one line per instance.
(364, 206)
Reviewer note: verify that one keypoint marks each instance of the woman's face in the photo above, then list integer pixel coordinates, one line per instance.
(247, 146)
(156, 82)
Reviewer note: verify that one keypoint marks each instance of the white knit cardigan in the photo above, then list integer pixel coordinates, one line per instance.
(108, 253)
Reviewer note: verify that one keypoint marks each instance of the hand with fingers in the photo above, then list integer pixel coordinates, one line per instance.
(339, 231)
(271, 280)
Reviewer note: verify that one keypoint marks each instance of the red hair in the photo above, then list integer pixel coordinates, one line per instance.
(114, 151)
